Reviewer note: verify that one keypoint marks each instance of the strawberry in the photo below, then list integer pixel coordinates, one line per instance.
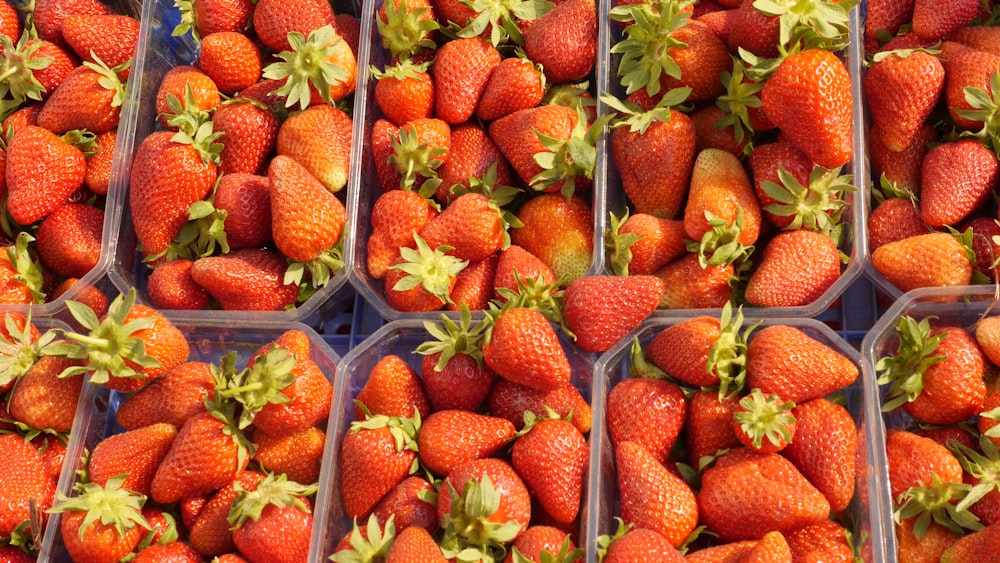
(744, 483)
(809, 98)
(721, 197)
(564, 41)
(770, 163)
(471, 155)
(321, 65)
(98, 177)
(411, 503)
(249, 134)
(376, 455)
(43, 400)
(933, 21)
(914, 460)
(551, 457)
(275, 19)
(172, 398)
(944, 261)
(415, 545)
(42, 171)
(931, 544)
(517, 83)
(421, 279)
(511, 400)
(231, 60)
(754, 31)
(246, 199)
(472, 226)
(384, 132)
(652, 497)
(467, 521)
(392, 389)
(176, 82)
(274, 521)
(956, 180)
(902, 88)
(404, 92)
(11, 554)
(395, 217)
(26, 482)
(474, 286)
(787, 362)
(461, 70)
(21, 276)
(88, 98)
(101, 523)
(29, 77)
(559, 231)
(986, 252)
(687, 284)
(969, 68)
(886, 17)
(518, 265)
(700, 56)
(171, 286)
(319, 138)
(641, 244)
(407, 28)
(633, 544)
(111, 38)
(987, 333)
(973, 545)
(246, 280)
(797, 268)
(297, 455)
(936, 374)
(893, 220)
(764, 424)
(542, 130)
(513, 334)
(538, 539)
(417, 150)
(210, 533)
(601, 310)
(450, 438)
(49, 15)
(634, 402)
(713, 132)
(69, 239)
(82, 292)
(174, 551)
(822, 539)
(135, 454)
(825, 435)
(10, 22)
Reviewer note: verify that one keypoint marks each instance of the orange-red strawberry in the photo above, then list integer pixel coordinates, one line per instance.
(21, 276)
(26, 479)
(648, 412)
(273, 522)
(826, 538)
(684, 350)
(914, 460)
(320, 68)
(136, 454)
(944, 261)
(411, 503)
(741, 493)
(552, 458)
(43, 400)
(69, 239)
(711, 132)
(517, 137)
(319, 138)
(172, 398)
(496, 479)
(809, 98)
(404, 92)
(395, 217)
(450, 438)
(539, 539)
(689, 285)
(564, 41)
(421, 279)
(511, 400)
(101, 524)
(985, 250)
(754, 31)
(558, 230)
(210, 532)
(472, 225)
(471, 154)
(797, 268)
(461, 70)
(902, 88)
(82, 292)
(246, 199)
(11, 554)
(171, 286)
(98, 177)
(111, 38)
(641, 544)
(972, 546)
(932, 20)
(231, 60)
(968, 68)
(893, 220)
(825, 436)
(49, 15)
(641, 244)
(652, 497)
(785, 361)
(885, 16)
(708, 430)
(415, 545)
(515, 84)
(249, 134)
(416, 150)
(297, 455)
(248, 279)
(523, 347)
(27, 83)
(308, 397)
(956, 180)
(766, 163)
(376, 455)
(987, 334)
(175, 551)
(176, 82)
(10, 21)
(700, 57)
(393, 389)
(601, 310)
(42, 171)
(473, 286)
(274, 19)
(88, 98)
(721, 196)
(764, 423)
(517, 264)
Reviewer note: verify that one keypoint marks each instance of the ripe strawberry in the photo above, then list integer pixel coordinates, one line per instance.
(10, 22)
(518, 265)
(767, 162)
(893, 220)
(101, 523)
(822, 539)
(176, 551)
(968, 68)
(633, 544)
(320, 68)
(539, 539)
(523, 347)
(171, 286)
(744, 483)
(985, 250)
(210, 533)
(956, 180)
(931, 544)
(517, 137)
(69, 239)
(42, 171)
(98, 177)
(176, 82)
(457, 507)
(701, 57)
(249, 134)
(450, 438)
(246, 280)
(552, 458)
(944, 261)
(987, 333)
(26, 479)
(231, 60)
(641, 244)
(376, 455)
(404, 92)
(564, 41)
(395, 217)
(933, 21)
(136, 454)
(914, 460)
(711, 132)
(785, 361)
(462, 68)
(511, 400)
(49, 15)
(721, 191)
(297, 455)
(88, 98)
(319, 138)
(21, 276)
(902, 88)
(111, 38)
(275, 19)
(471, 154)
(633, 405)
(558, 230)
(82, 292)
(652, 497)
(43, 400)
(689, 285)
(764, 423)
(11, 554)
(172, 398)
(472, 225)
(517, 83)
(246, 199)
(411, 503)
(601, 310)
(413, 545)
(421, 279)
(754, 31)
(273, 522)
(797, 268)
(972, 546)
(809, 98)
(393, 389)
(825, 435)
(474, 286)
(885, 16)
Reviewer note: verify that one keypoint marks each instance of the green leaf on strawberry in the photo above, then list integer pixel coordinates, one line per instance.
(413, 159)
(721, 246)
(468, 532)
(817, 206)
(500, 17)
(20, 350)
(765, 417)
(728, 356)
(110, 505)
(257, 386)
(406, 31)
(647, 41)
(740, 95)
(371, 546)
(564, 161)
(936, 502)
(28, 268)
(274, 490)
(618, 246)
(637, 120)
(307, 65)
(18, 65)
(451, 338)
(904, 371)
(826, 18)
(987, 110)
(984, 467)
(430, 269)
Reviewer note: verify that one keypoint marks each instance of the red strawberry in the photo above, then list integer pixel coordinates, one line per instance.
(308, 396)
(701, 57)
(721, 195)
(515, 84)
(10, 21)
(968, 68)
(825, 436)
(642, 243)
(373, 461)
(471, 154)
(601, 310)
(450, 438)
(26, 480)
(893, 220)
(754, 31)
(43, 400)
(246, 280)
(137, 454)
(539, 539)
(175, 83)
(421, 279)
(49, 15)
(564, 41)
(886, 16)
(633, 405)
(111, 38)
(474, 286)
(711, 132)
(395, 217)
(956, 180)
(415, 545)
(931, 20)
(319, 138)
(231, 60)
(797, 268)
(826, 538)
(552, 458)
(246, 199)
(708, 429)
(472, 225)
(511, 400)
(88, 98)
(558, 230)
(101, 523)
(914, 460)
(972, 546)
(392, 389)
(404, 92)
(944, 261)
(517, 137)
(42, 171)
(902, 88)
(524, 348)
(986, 251)
(172, 398)
(785, 361)
(69, 239)
(210, 533)
(203, 17)
(249, 135)
(297, 455)
(689, 285)
(98, 177)
(652, 497)
(171, 286)
(176, 551)
(517, 264)
(306, 219)
(275, 19)
(633, 544)
(273, 522)
(410, 504)
(491, 477)
(767, 162)
(461, 70)
(764, 423)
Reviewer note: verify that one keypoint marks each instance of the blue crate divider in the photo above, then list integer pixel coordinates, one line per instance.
(351, 324)
(854, 313)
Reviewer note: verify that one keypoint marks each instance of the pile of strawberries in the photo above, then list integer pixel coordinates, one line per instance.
(931, 88)
(731, 441)
(237, 201)
(64, 68)
(942, 405)
(730, 146)
(483, 144)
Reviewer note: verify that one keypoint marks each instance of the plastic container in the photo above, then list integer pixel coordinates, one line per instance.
(95, 417)
(401, 338)
(364, 181)
(865, 512)
(959, 306)
(854, 217)
(158, 52)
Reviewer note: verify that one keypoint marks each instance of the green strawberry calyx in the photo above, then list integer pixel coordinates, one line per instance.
(224, 409)
(500, 18)
(936, 502)
(274, 490)
(984, 467)
(728, 357)
(645, 50)
(604, 541)
(573, 96)
(639, 121)
(108, 343)
(534, 293)
(371, 546)
(500, 196)
(17, 69)
(321, 270)
(404, 431)
(163, 535)
(566, 554)
(403, 70)
(986, 109)
(432, 270)
(618, 245)
(720, 245)
(469, 533)
(308, 64)
(110, 505)
(407, 31)
(257, 386)
(194, 126)
(29, 269)
(19, 350)
(765, 417)
(564, 160)
(413, 159)
(822, 19)
(109, 77)
(204, 231)
(641, 367)
(188, 21)
(817, 206)
(904, 371)
(741, 94)
(451, 339)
